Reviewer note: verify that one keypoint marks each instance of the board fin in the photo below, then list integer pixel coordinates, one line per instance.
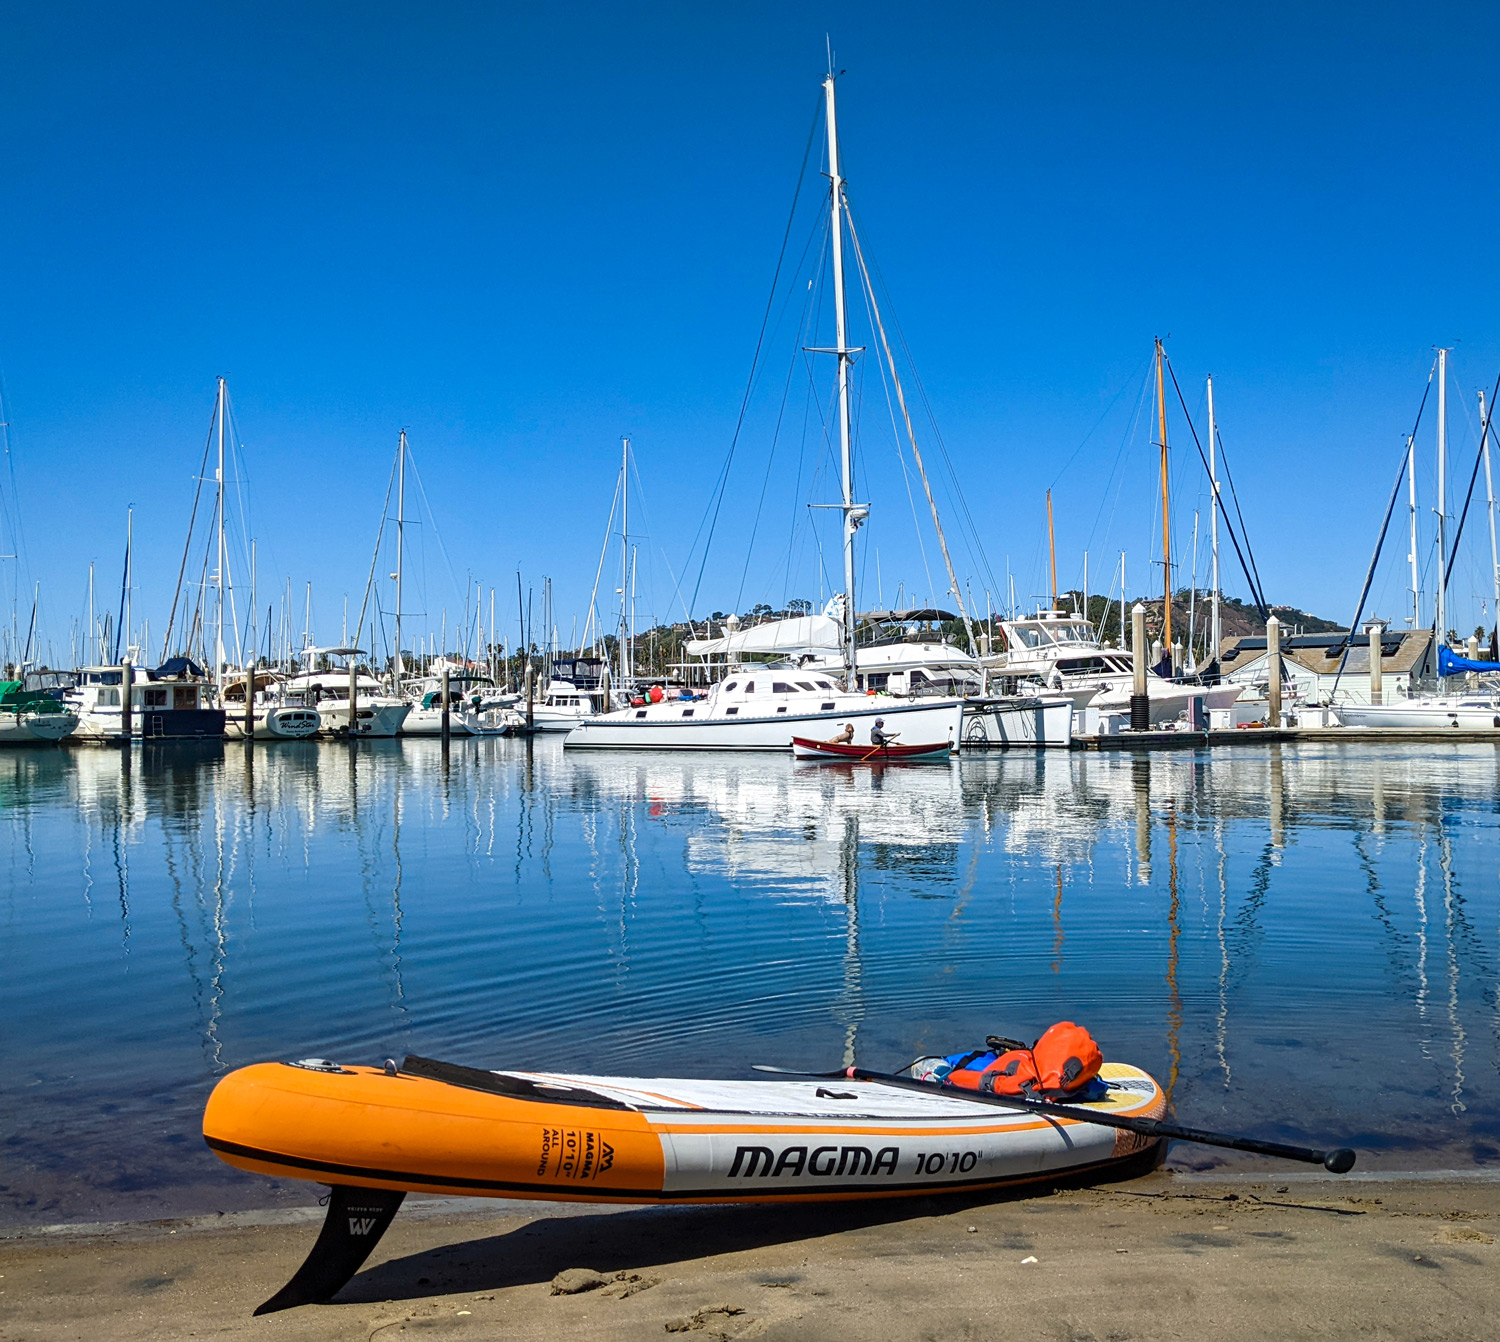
(357, 1218)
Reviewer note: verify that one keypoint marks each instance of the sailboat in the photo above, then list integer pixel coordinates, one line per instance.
(1472, 711)
(763, 707)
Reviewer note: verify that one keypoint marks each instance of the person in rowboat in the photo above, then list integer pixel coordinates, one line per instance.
(879, 736)
(845, 737)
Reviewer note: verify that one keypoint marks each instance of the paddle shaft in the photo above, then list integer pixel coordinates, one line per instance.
(1337, 1161)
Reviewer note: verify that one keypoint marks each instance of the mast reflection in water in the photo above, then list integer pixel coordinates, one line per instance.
(1316, 922)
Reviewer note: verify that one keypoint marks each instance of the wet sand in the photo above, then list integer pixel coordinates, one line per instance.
(1164, 1256)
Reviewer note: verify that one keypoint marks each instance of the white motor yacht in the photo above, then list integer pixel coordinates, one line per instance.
(324, 687)
(562, 707)
(905, 658)
(1061, 654)
(166, 704)
(762, 710)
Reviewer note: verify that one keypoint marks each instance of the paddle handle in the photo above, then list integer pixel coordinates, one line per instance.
(1338, 1161)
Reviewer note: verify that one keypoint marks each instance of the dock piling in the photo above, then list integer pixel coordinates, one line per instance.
(127, 693)
(1375, 631)
(1273, 671)
(1140, 701)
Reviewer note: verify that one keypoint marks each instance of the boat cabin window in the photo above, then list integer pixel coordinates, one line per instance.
(749, 687)
(781, 687)
(1079, 666)
(102, 678)
(109, 697)
(808, 685)
(824, 685)
(154, 698)
(1028, 638)
(731, 686)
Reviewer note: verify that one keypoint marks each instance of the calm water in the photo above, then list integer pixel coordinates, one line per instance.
(1302, 942)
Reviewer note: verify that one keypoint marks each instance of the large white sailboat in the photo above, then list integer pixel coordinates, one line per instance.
(762, 707)
(902, 656)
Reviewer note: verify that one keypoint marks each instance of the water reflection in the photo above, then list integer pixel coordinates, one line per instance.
(1251, 924)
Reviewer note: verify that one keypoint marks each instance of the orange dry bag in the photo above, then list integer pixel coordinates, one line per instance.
(1067, 1059)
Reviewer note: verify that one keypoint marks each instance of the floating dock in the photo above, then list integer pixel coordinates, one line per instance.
(1251, 736)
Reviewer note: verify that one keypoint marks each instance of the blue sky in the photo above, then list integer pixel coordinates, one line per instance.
(521, 231)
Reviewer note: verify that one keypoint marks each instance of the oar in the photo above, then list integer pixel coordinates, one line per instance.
(1339, 1161)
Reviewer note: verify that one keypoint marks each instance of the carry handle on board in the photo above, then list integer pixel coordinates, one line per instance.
(1338, 1161)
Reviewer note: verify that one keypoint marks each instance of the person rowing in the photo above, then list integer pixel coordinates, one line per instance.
(879, 737)
(844, 738)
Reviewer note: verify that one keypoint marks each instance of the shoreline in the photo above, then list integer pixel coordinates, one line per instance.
(1167, 1255)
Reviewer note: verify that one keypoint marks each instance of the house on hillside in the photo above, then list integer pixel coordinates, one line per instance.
(1312, 664)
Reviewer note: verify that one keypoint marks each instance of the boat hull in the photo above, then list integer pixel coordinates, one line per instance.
(281, 724)
(656, 731)
(602, 1139)
(378, 720)
(24, 728)
(838, 753)
(1464, 714)
(178, 724)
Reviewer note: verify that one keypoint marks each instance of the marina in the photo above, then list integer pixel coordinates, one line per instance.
(748, 674)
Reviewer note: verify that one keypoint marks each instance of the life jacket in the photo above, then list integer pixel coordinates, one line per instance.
(1061, 1063)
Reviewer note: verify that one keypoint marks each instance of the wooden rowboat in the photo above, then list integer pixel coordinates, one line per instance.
(805, 749)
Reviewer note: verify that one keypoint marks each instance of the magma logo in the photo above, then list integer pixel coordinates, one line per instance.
(825, 1162)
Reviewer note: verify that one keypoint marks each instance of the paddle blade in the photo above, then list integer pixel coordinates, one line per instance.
(1340, 1161)
(357, 1218)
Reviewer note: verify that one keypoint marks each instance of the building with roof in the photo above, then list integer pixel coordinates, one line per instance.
(1314, 664)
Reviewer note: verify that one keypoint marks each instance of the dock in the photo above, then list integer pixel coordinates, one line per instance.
(1260, 736)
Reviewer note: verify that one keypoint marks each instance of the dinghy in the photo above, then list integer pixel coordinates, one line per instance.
(805, 749)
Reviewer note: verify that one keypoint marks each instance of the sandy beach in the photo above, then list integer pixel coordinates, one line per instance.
(1164, 1256)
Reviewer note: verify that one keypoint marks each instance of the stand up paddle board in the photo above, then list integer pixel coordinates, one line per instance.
(442, 1129)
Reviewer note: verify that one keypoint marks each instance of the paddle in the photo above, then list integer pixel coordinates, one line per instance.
(1338, 1161)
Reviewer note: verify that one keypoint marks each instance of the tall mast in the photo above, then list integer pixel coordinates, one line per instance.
(400, 546)
(625, 667)
(1489, 491)
(1166, 510)
(1214, 631)
(852, 516)
(95, 656)
(129, 576)
(1440, 596)
(1411, 505)
(219, 635)
(1052, 549)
